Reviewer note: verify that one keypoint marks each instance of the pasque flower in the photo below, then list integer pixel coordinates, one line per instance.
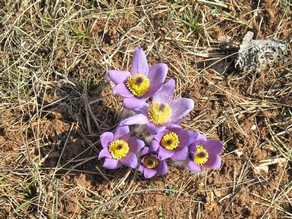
(140, 83)
(162, 111)
(119, 148)
(173, 142)
(151, 164)
(204, 153)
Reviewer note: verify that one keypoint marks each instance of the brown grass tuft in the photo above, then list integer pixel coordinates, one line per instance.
(55, 102)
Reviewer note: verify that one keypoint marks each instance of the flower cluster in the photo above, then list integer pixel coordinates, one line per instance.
(152, 101)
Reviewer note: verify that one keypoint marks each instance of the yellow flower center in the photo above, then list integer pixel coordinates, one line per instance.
(159, 113)
(119, 149)
(150, 162)
(170, 141)
(201, 156)
(138, 85)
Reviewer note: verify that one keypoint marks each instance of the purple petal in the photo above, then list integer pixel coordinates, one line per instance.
(153, 129)
(121, 131)
(193, 148)
(157, 75)
(213, 146)
(149, 173)
(140, 168)
(174, 127)
(111, 163)
(145, 150)
(180, 154)
(192, 136)
(139, 63)
(164, 154)
(117, 76)
(130, 160)
(104, 153)
(154, 145)
(133, 102)
(194, 167)
(180, 108)
(160, 135)
(106, 138)
(201, 139)
(213, 162)
(165, 93)
(163, 168)
(184, 137)
(137, 119)
(122, 90)
(158, 72)
(135, 144)
(142, 110)
(140, 144)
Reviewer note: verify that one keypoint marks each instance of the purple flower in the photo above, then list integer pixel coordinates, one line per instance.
(151, 164)
(162, 111)
(173, 142)
(204, 153)
(119, 148)
(140, 83)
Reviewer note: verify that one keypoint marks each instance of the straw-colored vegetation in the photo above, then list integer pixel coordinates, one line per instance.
(55, 102)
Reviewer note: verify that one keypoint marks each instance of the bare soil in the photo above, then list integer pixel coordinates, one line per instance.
(50, 136)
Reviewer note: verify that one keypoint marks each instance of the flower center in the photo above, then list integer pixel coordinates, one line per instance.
(119, 149)
(138, 85)
(170, 141)
(150, 162)
(201, 156)
(159, 113)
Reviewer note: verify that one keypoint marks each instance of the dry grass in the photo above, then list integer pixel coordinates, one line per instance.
(55, 101)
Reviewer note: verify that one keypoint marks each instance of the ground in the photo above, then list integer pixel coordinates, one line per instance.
(56, 101)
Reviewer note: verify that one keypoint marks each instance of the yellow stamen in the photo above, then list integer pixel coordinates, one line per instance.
(201, 156)
(138, 85)
(150, 162)
(119, 149)
(159, 113)
(170, 141)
